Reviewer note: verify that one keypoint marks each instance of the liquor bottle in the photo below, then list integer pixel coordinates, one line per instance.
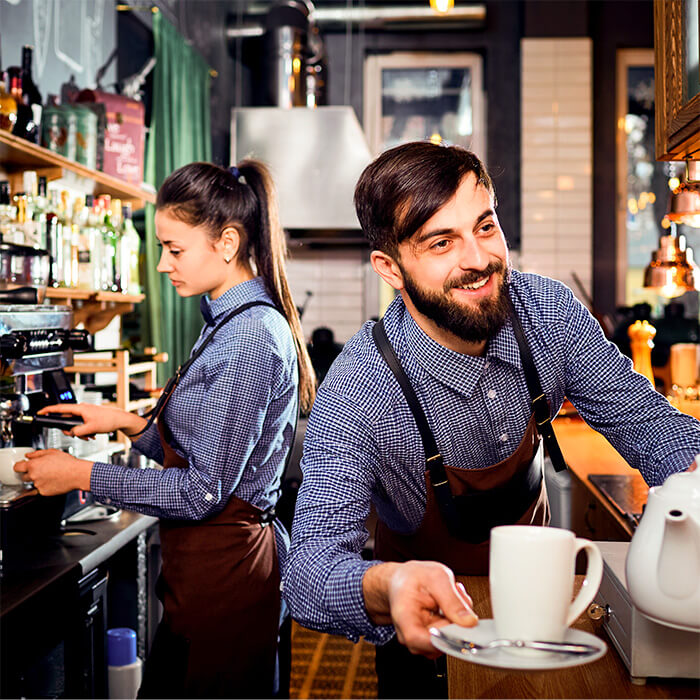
(69, 243)
(54, 236)
(116, 209)
(130, 244)
(109, 245)
(7, 211)
(8, 106)
(16, 232)
(30, 92)
(39, 208)
(31, 225)
(25, 126)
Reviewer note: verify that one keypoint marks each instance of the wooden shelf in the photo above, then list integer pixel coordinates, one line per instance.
(119, 363)
(18, 155)
(94, 310)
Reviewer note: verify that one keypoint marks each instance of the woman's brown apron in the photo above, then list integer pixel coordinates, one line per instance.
(219, 586)
(220, 589)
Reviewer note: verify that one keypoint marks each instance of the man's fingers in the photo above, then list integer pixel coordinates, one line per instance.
(464, 595)
(453, 604)
(416, 638)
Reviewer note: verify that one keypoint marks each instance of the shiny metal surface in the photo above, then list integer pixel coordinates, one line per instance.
(466, 646)
(18, 317)
(315, 156)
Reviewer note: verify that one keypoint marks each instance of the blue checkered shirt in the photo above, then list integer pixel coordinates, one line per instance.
(232, 417)
(362, 445)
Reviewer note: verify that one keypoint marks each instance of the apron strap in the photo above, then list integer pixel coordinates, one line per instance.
(434, 462)
(540, 405)
(182, 369)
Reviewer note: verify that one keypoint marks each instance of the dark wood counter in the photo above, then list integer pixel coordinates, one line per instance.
(605, 678)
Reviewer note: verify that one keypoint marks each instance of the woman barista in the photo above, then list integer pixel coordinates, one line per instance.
(222, 434)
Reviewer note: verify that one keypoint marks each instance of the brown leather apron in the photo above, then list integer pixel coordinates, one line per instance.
(219, 586)
(516, 483)
(433, 541)
(220, 589)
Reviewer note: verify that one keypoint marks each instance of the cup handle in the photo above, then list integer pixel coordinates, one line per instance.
(591, 583)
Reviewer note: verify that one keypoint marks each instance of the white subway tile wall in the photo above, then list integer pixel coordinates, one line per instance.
(557, 160)
(336, 278)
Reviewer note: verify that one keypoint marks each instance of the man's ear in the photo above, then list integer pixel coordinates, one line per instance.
(387, 268)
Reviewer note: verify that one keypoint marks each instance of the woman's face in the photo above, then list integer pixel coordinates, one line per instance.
(194, 264)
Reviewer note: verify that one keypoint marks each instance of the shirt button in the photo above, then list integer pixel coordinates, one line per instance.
(491, 393)
(486, 364)
(106, 501)
(281, 585)
(208, 497)
(504, 437)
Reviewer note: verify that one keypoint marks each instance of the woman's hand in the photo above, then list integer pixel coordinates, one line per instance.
(54, 472)
(97, 419)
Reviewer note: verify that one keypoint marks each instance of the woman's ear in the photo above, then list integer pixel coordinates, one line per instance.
(387, 268)
(229, 243)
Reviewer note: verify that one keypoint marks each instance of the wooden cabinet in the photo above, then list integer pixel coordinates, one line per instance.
(95, 309)
(18, 155)
(677, 96)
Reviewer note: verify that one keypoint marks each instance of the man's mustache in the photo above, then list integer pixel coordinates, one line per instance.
(471, 276)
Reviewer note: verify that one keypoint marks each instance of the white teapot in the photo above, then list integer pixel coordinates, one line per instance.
(663, 561)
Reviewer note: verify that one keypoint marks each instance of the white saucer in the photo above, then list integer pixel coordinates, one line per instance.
(485, 632)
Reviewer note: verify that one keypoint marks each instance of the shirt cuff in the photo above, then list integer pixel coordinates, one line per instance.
(352, 606)
(106, 482)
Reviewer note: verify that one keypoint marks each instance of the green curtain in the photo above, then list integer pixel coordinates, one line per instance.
(180, 133)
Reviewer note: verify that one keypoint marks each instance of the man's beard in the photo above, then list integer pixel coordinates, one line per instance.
(472, 323)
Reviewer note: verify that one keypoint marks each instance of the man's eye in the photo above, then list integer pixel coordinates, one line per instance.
(440, 244)
(488, 228)
(175, 252)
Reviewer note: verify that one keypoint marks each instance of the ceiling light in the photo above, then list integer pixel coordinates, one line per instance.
(442, 7)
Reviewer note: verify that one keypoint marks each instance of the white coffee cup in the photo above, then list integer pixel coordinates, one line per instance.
(531, 576)
(8, 457)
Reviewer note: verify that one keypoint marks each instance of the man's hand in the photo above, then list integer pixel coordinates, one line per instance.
(97, 419)
(415, 596)
(54, 472)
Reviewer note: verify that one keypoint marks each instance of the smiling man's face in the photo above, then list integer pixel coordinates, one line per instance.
(455, 268)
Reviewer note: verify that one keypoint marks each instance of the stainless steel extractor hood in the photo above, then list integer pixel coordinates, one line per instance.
(315, 157)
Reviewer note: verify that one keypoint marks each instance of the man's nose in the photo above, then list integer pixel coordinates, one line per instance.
(473, 256)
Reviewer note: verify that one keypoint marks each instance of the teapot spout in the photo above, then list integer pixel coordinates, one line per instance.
(679, 560)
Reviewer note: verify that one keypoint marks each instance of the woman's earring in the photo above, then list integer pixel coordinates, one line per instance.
(227, 260)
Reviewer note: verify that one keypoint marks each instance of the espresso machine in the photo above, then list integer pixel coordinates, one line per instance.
(36, 343)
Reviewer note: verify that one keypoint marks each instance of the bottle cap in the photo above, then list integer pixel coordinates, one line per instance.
(121, 646)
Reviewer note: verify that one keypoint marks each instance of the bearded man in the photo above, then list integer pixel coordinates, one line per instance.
(436, 415)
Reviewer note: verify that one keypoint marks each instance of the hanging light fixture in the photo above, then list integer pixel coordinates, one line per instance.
(442, 7)
(684, 205)
(672, 270)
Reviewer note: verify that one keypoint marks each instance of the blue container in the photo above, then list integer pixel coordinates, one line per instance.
(121, 646)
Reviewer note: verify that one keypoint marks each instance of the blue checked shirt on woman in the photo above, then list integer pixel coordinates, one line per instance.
(362, 444)
(232, 417)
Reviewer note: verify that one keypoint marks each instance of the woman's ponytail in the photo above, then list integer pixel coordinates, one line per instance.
(269, 251)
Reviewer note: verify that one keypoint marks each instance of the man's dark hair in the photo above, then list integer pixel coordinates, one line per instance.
(403, 187)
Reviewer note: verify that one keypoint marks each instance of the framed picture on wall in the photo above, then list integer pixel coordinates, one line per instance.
(417, 96)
